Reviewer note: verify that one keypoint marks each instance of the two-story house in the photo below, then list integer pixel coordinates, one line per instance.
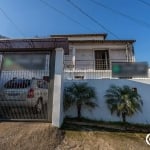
(90, 55)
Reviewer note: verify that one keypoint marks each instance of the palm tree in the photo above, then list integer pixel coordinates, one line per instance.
(79, 94)
(123, 101)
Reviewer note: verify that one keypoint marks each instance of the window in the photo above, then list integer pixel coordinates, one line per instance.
(17, 84)
(42, 84)
(102, 60)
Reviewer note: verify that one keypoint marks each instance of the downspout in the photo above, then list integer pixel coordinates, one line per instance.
(130, 53)
(74, 58)
(127, 52)
(1, 62)
(133, 54)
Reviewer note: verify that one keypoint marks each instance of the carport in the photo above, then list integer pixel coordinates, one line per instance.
(27, 65)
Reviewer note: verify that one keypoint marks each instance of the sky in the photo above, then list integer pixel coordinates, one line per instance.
(42, 18)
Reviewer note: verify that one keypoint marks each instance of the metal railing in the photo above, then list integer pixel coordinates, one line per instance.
(24, 87)
(91, 69)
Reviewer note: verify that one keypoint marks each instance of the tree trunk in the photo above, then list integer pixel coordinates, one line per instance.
(124, 117)
(79, 110)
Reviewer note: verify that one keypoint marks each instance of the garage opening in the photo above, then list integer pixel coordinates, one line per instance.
(24, 86)
(27, 78)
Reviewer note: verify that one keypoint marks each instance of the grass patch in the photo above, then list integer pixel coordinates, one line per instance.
(104, 125)
(106, 122)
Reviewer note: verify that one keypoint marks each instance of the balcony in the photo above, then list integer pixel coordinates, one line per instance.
(91, 69)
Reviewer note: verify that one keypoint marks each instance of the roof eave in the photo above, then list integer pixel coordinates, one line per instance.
(102, 41)
(81, 35)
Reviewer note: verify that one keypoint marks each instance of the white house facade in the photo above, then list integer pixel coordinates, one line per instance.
(90, 55)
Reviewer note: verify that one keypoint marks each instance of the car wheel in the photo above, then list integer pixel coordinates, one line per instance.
(39, 105)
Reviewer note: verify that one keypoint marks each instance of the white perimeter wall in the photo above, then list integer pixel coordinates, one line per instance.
(102, 112)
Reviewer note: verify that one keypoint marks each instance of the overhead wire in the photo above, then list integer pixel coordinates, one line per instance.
(144, 2)
(12, 22)
(92, 18)
(133, 19)
(65, 15)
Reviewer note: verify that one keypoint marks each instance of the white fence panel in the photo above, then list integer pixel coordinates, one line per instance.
(102, 112)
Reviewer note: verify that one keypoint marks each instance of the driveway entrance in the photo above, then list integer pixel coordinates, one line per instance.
(27, 78)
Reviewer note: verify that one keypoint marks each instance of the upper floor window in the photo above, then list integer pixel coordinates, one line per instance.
(102, 60)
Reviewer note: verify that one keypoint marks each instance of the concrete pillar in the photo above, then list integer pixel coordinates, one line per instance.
(57, 112)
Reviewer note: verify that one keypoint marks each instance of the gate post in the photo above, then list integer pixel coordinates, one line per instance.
(57, 108)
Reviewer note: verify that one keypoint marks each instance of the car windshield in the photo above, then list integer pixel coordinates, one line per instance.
(17, 83)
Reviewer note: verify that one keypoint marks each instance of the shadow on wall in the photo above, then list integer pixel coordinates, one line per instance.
(102, 112)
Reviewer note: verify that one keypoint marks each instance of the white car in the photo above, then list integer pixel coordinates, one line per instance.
(24, 92)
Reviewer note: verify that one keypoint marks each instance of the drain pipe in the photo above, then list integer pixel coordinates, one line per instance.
(127, 52)
(73, 57)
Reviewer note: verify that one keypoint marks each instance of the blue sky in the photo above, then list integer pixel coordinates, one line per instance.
(34, 18)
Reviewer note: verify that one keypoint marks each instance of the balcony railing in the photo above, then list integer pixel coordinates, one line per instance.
(91, 69)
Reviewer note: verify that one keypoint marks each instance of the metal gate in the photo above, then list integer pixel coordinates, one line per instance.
(24, 86)
(27, 77)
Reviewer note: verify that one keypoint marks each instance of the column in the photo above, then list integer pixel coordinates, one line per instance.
(57, 109)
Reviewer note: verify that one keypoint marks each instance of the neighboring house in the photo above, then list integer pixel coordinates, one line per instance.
(3, 37)
(90, 55)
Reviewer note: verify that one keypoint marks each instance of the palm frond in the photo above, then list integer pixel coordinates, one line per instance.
(79, 93)
(123, 99)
